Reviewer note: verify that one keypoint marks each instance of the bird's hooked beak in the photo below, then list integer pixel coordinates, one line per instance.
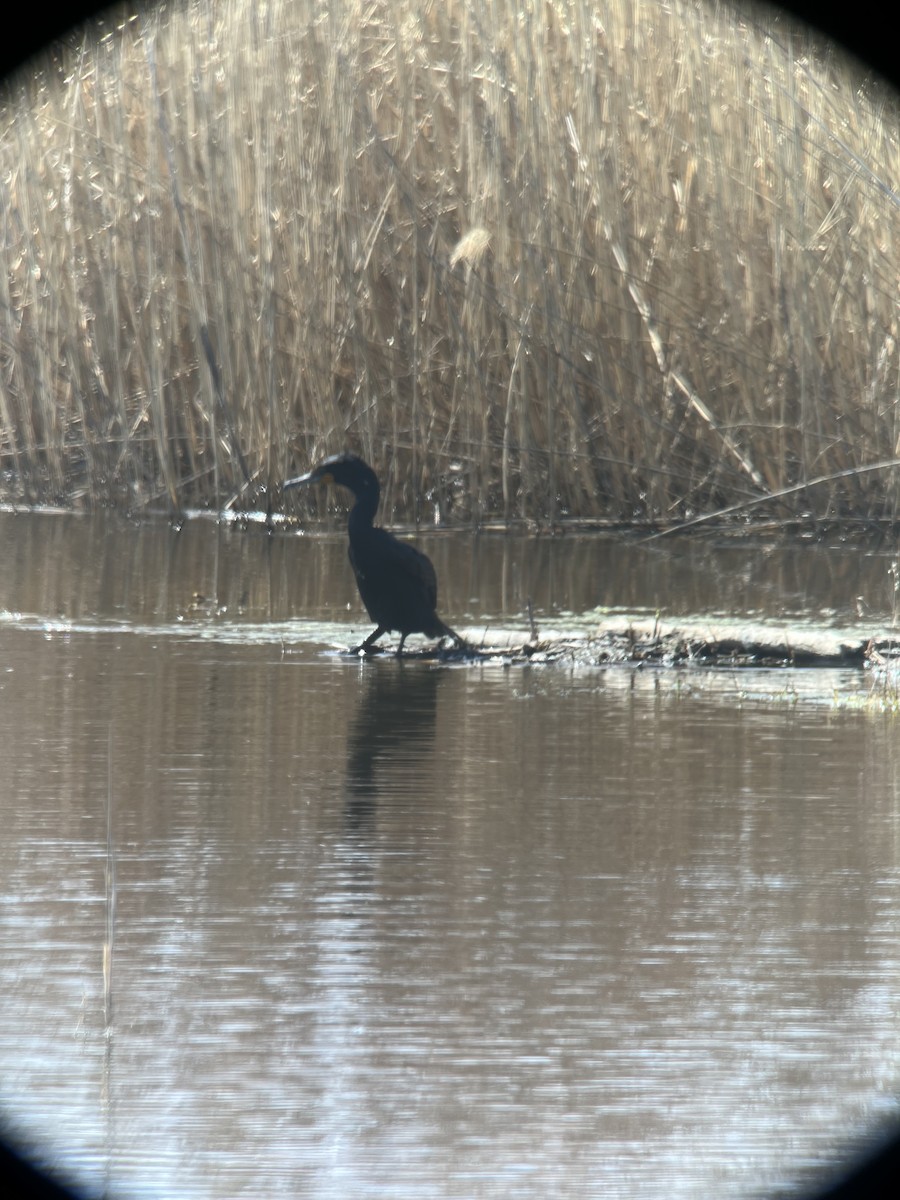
(311, 477)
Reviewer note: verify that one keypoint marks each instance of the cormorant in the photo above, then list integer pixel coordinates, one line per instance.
(396, 581)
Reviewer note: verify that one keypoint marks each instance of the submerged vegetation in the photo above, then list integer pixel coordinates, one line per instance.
(547, 261)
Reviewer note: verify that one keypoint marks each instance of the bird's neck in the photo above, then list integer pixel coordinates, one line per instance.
(362, 514)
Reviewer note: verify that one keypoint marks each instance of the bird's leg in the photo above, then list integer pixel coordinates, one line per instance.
(400, 647)
(370, 641)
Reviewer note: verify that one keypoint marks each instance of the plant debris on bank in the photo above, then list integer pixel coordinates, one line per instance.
(637, 646)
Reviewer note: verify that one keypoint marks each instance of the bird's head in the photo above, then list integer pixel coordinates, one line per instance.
(345, 470)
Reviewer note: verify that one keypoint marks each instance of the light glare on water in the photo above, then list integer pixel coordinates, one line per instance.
(402, 929)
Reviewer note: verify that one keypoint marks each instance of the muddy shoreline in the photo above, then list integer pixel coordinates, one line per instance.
(651, 644)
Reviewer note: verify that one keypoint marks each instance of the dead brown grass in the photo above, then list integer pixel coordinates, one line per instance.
(538, 261)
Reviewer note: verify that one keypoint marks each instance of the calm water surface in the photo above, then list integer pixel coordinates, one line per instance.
(275, 922)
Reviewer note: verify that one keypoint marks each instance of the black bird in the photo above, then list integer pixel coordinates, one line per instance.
(396, 581)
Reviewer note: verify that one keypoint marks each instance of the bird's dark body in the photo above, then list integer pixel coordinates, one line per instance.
(396, 581)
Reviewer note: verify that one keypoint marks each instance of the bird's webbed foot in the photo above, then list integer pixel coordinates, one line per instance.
(368, 646)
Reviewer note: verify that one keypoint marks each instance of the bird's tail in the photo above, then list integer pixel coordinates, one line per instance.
(442, 630)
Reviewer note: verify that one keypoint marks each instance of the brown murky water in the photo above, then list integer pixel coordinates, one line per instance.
(406, 929)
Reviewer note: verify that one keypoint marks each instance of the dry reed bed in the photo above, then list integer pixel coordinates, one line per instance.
(541, 260)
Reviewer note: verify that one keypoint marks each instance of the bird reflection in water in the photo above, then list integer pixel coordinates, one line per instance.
(396, 581)
(394, 723)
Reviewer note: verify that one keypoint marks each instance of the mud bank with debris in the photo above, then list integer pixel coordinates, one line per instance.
(690, 643)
